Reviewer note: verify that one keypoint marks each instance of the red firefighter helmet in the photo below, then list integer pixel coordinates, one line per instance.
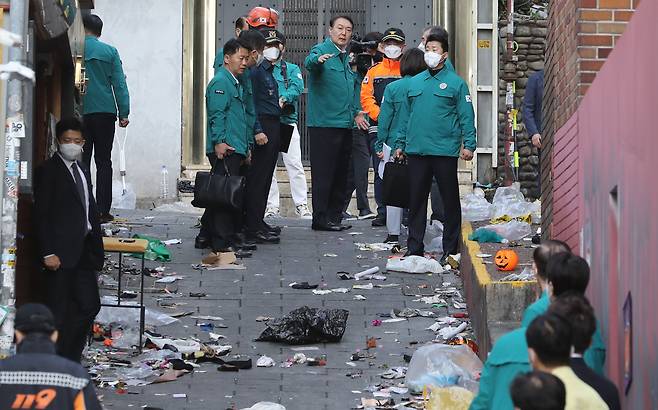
(263, 17)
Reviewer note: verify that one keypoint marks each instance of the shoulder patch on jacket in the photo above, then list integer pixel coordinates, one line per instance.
(219, 92)
(468, 98)
(365, 80)
(299, 75)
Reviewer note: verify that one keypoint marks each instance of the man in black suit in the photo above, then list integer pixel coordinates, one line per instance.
(70, 240)
(575, 308)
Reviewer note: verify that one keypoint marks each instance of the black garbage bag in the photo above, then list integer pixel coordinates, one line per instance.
(306, 325)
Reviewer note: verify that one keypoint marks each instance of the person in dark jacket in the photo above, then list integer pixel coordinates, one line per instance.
(69, 237)
(36, 378)
(532, 102)
(577, 310)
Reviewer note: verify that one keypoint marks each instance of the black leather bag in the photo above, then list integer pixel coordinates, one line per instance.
(286, 137)
(212, 190)
(396, 184)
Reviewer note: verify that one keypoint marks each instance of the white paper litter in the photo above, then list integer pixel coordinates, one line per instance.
(450, 331)
(265, 361)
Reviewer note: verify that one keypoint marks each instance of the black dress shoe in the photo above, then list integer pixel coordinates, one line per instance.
(201, 242)
(264, 237)
(240, 254)
(105, 218)
(379, 221)
(326, 227)
(276, 230)
(246, 246)
(343, 227)
(407, 253)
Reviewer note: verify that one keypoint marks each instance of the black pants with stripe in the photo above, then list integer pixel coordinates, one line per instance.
(422, 168)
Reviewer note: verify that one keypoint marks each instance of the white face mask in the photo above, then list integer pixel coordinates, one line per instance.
(70, 152)
(392, 51)
(421, 46)
(272, 53)
(433, 59)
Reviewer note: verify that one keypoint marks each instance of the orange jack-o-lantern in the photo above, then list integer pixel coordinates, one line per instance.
(506, 260)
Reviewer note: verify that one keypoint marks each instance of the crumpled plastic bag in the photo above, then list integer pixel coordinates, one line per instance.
(306, 325)
(433, 239)
(156, 251)
(414, 264)
(509, 204)
(483, 235)
(453, 398)
(109, 314)
(265, 405)
(440, 365)
(121, 200)
(512, 231)
(475, 206)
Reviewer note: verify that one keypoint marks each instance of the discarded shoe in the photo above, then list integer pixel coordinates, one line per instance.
(304, 285)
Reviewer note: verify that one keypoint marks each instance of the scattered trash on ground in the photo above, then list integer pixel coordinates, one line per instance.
(443, 365)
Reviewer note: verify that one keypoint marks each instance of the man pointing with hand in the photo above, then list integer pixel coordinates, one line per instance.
(333, 108)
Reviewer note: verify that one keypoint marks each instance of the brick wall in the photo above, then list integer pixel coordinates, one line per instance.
(581, 34)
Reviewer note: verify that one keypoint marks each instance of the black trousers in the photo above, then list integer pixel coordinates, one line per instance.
(99, 133)
(220, 225)
(331, 153)
(421, 171)
(357, 175)
(259, 175)
(378, 182)
(72, 295)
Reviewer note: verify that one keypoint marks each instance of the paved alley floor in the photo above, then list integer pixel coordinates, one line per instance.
(239, 297)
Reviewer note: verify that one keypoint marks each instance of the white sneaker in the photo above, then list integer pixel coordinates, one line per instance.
(272, 213)
(303, 212)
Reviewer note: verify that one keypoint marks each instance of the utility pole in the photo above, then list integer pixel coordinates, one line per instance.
(14, 133)
(511, 153)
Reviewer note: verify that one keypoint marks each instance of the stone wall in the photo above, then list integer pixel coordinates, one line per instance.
(531, 39)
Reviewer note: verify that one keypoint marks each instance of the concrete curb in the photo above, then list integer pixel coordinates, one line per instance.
(495, 307)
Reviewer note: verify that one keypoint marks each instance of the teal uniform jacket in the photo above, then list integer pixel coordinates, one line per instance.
(437, 116)
(390, 109)
(508, 358)
(245, 81)
(594, 356)
(107, 91)
(331, 88)
(227, 114)
(294, 89)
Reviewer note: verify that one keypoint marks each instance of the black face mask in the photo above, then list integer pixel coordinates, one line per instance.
(363, 63)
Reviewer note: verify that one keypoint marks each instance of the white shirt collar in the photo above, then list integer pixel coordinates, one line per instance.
(234, 77)
(66, 161)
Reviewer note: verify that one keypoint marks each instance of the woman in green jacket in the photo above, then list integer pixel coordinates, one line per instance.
(395, 94)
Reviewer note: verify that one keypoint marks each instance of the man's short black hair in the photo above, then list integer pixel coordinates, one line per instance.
(231, 47)
(566, 271)
(543, 253)
(550, 336)
(538, 391)
(577, 310)
(240, 22)
(68, 124)
(412, 62)
(93, 24)
(333, 20)
(440, 35)
(252, 40)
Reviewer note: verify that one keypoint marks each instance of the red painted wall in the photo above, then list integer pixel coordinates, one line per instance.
(611, 143)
